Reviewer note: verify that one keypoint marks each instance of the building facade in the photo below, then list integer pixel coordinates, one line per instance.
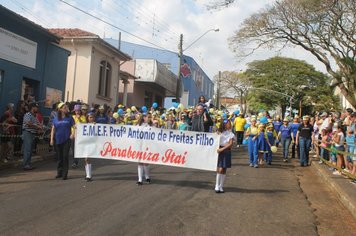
(93, 73)
(31, 62)
(195, 82)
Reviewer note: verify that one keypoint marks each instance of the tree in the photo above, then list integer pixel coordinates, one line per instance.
(276, 80)
(325, 28)
(218, 4)
(234, 84)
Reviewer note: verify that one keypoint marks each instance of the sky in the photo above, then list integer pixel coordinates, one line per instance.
(159, 23)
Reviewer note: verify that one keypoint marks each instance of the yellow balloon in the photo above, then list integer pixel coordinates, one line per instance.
(220, 113)
(128, 110)
(274, 149)
(115, 115)
(133, 108)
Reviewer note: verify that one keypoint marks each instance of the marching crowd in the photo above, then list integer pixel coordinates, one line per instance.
(331, 135)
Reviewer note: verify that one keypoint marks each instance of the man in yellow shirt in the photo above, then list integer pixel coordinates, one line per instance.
(239, 124)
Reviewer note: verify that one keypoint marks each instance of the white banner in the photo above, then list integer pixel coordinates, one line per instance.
(197, 150)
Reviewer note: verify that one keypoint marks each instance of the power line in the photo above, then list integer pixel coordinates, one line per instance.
(108, 23)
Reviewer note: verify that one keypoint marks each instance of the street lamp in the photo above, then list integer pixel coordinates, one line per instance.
(284, 94)
(180, 55)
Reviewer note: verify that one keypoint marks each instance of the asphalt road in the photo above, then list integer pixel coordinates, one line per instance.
(263, 201)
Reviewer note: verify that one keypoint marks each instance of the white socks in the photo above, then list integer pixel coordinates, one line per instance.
(217, 184)
(140, 172)
(88, 170)
(147, 171)
(220, 179)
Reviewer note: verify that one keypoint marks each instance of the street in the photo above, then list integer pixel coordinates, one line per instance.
(272, 200)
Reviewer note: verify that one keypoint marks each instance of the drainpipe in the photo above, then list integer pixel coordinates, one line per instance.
(75, 68)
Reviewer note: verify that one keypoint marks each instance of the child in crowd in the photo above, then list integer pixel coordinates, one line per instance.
(325, 143)
(261, 145)
(271, 140)
(224, 160)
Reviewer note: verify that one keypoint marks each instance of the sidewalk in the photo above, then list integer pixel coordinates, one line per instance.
(43, 153)
(345, 191)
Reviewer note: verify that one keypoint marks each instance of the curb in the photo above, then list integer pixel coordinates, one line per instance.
(346, 193)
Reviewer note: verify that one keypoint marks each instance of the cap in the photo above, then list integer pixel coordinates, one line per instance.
(349, 110)
(285, 119)
(261, 125)
(60, 105)
(101, 107)
(84, 107)
(77, 107)
(305, 117)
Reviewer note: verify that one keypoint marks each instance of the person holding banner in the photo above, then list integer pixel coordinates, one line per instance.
(88, 176)
(62, 133)
(145, 121)
(224, 159)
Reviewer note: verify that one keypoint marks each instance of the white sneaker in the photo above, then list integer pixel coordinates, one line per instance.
(336, 172)
(320, 162)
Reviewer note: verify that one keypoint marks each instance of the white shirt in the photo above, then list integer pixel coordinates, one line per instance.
(225, 137)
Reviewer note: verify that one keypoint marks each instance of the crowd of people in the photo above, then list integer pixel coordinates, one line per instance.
(331, 135)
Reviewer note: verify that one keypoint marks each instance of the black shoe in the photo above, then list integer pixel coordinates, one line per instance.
(58, 176)
(148, 181)
(139, 183)
(65, 177)
(88, 179)
(217, 191)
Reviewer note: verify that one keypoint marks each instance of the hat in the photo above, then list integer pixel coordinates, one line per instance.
(101, 107)
(77, 107)
(296, 117)
(253, 119)
(305, 117)
(285, 119)
(261, 125)
(60, 105)
(324, 114)
(84, 107)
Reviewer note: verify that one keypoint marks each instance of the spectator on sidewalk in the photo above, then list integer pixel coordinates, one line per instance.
(31, 127)
(8, 124)
(19, 114)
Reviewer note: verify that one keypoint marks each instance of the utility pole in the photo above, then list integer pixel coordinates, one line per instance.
(180, 55)
(218, 92)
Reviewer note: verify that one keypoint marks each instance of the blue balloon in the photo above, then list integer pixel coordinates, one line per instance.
(245, 142)
(236, 112)
(247, 126)
(144, 109)
(120, 111)
(224, 116)
(154, 105)
(175, 104)
(264, 120)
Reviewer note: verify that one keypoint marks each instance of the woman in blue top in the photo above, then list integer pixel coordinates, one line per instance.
(285, 134)
(62, 133)
(294, 126)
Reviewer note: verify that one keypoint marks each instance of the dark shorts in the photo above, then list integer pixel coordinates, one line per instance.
(224, 160)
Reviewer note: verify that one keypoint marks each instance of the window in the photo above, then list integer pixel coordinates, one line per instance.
(104, 79)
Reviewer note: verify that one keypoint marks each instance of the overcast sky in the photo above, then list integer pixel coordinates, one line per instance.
(159, 23)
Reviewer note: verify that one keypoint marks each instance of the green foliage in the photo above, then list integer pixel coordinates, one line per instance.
(277, 79)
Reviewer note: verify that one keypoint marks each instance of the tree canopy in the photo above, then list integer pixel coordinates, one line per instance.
(276, 80)
(325, 28)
